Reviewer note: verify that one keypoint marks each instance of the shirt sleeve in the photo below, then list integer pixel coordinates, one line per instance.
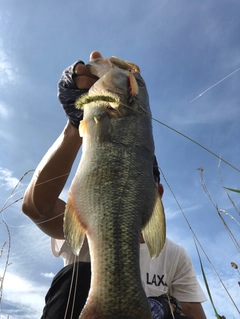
(61, 248)
(56, 245)
(185, 286)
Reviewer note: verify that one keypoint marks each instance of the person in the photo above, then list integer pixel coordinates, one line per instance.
(169, 280)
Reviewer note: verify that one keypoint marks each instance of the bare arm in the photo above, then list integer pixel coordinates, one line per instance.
(41, 202)
(193, 310)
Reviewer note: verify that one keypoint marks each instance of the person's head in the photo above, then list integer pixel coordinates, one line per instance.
(156, 175)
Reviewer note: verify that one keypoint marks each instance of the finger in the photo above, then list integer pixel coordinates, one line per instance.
(95, 55)
(83, 70)
(84, 82)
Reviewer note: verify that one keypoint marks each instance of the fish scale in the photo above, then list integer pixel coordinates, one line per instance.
(113, 196)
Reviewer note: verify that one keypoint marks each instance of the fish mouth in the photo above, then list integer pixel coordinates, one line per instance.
(109, 100)
(113, 96)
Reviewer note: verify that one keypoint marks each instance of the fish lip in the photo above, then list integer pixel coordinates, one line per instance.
(108, 100)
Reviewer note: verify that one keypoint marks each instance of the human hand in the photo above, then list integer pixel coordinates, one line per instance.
(75, 81)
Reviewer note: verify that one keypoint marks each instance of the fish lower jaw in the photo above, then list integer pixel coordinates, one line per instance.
(105, 97)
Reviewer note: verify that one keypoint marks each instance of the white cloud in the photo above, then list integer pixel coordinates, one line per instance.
(7, 180)
(8, 72)
(5, 112)
(48, 274)
(6, 135)
(22, 294)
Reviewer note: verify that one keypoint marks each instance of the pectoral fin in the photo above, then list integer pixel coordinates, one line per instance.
(82, 128)
(154, 232)
(73, 230)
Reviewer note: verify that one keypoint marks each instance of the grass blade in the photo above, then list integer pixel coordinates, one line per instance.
(233, 190)
(206, 284)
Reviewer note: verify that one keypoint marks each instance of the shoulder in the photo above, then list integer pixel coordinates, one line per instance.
(170, 254)
(181, 257)
(169, 244)
(172, 249)
(184, 284)
(172, 246)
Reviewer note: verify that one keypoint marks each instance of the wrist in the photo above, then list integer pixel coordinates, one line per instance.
(159, 307)
(169, 306)
(175, 305)
(69, 142)
(71, 131)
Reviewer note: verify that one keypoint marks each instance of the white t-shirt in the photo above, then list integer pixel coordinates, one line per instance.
(61, 248)
(171, 272)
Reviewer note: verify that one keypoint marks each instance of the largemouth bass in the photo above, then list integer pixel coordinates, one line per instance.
(113, 196)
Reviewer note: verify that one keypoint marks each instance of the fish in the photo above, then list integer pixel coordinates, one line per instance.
(113, 197)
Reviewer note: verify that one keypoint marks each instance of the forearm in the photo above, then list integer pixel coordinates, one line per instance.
(193, 310)
(41, 198)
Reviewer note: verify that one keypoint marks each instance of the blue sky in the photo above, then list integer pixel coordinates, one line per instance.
(183, 49)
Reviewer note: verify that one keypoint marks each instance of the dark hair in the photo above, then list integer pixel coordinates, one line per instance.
(156, 172)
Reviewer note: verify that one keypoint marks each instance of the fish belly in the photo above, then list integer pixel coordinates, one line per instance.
(110, 198)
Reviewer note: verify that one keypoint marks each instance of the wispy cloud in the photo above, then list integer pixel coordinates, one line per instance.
(5, 112)
(7, 70)
(7, 136)
(221, 299)
(7, 180)
(208, 113)
(48, 275)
